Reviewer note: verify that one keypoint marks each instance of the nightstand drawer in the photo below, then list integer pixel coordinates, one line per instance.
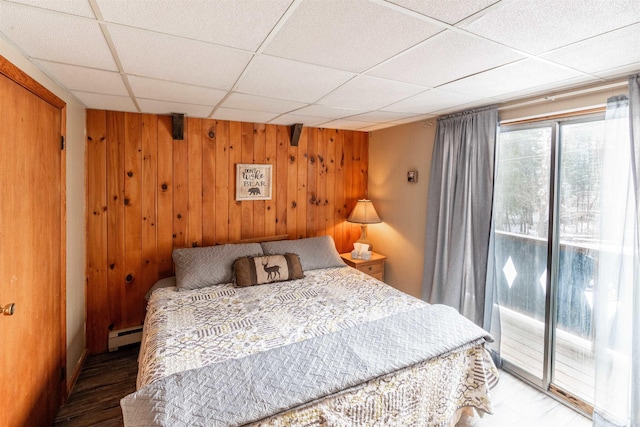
(371, 269)
(374, 267)
(379, 276)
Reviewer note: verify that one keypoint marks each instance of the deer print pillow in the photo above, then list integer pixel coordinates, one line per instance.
(259, 270)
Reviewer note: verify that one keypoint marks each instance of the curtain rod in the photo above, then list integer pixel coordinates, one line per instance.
(555, 116)
(547, 98)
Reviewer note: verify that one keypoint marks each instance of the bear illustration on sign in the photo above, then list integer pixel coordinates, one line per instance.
(254, 191)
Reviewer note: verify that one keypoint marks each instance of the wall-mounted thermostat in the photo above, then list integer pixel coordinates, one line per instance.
(412, 176)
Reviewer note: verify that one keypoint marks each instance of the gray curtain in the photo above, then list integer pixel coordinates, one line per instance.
(617, 291)
(459, 212)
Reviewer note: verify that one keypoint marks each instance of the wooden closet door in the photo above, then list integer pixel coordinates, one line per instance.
(31, 255)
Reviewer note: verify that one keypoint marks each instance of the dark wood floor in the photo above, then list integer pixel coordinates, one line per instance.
(104, 380)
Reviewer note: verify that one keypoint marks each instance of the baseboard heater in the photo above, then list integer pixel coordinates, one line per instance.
(124, 337)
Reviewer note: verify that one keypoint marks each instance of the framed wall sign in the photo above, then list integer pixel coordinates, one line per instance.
(253, 182)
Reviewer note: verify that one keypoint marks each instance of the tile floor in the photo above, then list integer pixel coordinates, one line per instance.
(516, 404)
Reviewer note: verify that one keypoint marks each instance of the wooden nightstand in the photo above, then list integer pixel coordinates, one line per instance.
(374, 267)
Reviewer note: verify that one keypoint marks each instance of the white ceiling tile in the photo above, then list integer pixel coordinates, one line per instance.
(327, 111)
(346, 124)
(611, 50)
(537, 26)
(417, 118)
(290, 119)
(143, 87)
(381, 116)
(519, 76)
(84, 79)
(243, 115)
(241, 24)
(377, 127)
(241, 101)
(79, 8)
(430, 101)
(350, 35)
(450, 11)
(284, 79)
(165, 57)
(370, 93)
(153, 106)
(100, 101)
(56, 37)
(445, 57)
(546, 89)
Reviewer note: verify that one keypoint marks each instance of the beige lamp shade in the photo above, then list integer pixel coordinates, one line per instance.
(364, 213)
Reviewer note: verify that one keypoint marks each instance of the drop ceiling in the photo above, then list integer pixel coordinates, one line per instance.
(346, 64)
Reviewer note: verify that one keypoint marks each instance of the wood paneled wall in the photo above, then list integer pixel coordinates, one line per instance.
(148, 194)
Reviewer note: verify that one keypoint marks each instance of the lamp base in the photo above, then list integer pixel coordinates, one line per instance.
(363, 237)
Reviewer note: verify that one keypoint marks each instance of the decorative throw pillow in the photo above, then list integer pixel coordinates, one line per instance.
(258, 270)
(209, 265)
(314, 252)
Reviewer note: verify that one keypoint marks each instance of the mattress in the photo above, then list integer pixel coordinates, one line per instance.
(219, 329)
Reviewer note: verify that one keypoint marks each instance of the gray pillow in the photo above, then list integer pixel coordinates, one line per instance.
(314, 252)
(167, 282)
(210, 265)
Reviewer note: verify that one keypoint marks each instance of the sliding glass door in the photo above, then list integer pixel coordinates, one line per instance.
(546, 221)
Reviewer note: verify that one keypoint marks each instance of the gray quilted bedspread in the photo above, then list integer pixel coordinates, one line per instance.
(244, 390)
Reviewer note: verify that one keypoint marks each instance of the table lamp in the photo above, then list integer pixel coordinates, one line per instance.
(364, 213)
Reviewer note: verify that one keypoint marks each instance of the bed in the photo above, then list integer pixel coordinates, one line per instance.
(283, 333)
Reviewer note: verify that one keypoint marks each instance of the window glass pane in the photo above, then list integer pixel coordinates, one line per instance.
(522, 187)
(580, 163)
(521, 207)
(579, 185)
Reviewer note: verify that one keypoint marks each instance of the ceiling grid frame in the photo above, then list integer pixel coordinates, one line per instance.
(428, 25)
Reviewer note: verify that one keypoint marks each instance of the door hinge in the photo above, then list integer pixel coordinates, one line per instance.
(63, 373)
(62, 142)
